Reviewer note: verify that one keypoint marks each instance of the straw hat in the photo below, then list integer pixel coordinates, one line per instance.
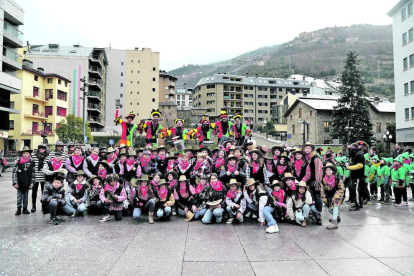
(275, 183)
(182, 178)
(234, 182)
(287, 176)
(308, 144)
(298, 150)
(331, 166)
(214, 202)
(302, 184)
(189, 216)
(251, 181)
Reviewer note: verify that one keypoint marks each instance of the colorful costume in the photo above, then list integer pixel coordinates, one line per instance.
(203, 132)
(223, 128)
(179, 130)
(152, 128)
(241, 130)
(127, 129)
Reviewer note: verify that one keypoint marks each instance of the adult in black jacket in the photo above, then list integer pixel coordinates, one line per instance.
(38, 157)
(357, 175)
(183, 197)
(232, 170)
(215, 198)
(23, 179)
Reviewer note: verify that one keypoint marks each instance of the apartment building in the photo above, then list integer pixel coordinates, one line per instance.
(12, 16)
(43, 104)
(168, 87)
(403, 44)
(184, 97)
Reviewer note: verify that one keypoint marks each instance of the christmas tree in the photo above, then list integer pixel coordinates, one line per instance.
(351, 118)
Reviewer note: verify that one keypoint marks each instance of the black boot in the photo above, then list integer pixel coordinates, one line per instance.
(354, 208)
(25, 211)
(33, 208)
(18, 212)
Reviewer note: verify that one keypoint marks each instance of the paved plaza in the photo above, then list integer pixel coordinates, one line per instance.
(379, 240)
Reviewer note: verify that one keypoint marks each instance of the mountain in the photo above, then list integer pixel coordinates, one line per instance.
(319, 53)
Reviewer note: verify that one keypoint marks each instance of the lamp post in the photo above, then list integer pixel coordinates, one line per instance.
(265, 127)
(304, 123)
(84, 98)
(348, 130)
(44, 134)
(387, 138)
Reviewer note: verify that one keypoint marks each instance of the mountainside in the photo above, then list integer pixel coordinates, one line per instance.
(319, 53)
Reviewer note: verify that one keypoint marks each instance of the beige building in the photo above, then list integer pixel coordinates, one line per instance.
(254, 97)
(168, 87)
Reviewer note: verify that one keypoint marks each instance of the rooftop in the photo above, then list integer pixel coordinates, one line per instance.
(56, 50)
(398, 6)
(46, 75)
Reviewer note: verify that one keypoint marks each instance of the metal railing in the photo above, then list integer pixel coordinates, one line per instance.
(34, 113)
(94, 106)
(95, 94)
(95, 81)
(12, 55)
(94, 119)
(12, 30)
(95, 69)
(35, 95)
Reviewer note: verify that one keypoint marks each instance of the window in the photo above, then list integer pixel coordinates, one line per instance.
(11, 124)
(50, 80)
(49, 94)
(290, 117)
(57, 125)
(280, 97)
(178, 97)
(248, 95)
(404, 38)
(405, 64)
(262, 96)
(178, 102)
(211, 86)
(11, 105)
(190, 98)
(59, 81)
(137, 103)
(211, 102)
(326, 126)
(132, 71)
(153, 100)
(36, 78)
(122, 74)
(153, 90)
(211, 110)
(66, 84)
(153, 79)
(211, 94)
(132, 60)
(121, 95)
(182, 103)
(34, 126)
(378, 128)
(407, 114)
(300, 112)
(62, 95)
(262, 104)
(412, 113)
(412, 60)
(310, 113)
(412, 86)
(154, 69)
(293, 129)
(61, 111)
(131, 81)
(35, 91)
(410, 34)
(122, 63)
(406, 88)
(403, 14)
(122, 85)
(410, 9)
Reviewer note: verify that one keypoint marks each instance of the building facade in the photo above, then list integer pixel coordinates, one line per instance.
(168, 87)
(318, 111)
(43, 104)
(185, 97)
(254, 97)
(403, 45)
(12, 16)
(74, 63)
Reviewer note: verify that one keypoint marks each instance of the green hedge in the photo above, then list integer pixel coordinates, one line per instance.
(103, 141)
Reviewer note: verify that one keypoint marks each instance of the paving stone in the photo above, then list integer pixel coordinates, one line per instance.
(298, 268)
(147, 268)
(77, 267)
(218, 268)
(360, 266)
(405, 266)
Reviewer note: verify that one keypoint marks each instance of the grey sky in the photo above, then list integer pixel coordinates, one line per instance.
(188, 31)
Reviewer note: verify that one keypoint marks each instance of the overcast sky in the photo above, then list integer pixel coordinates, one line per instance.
(188, 31)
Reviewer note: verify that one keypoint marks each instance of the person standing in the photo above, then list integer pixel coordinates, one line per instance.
(38, 157)
(357, 175)
(24, 177)
(398, 150)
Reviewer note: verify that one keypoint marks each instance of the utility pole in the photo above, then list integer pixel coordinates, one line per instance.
(84, 98)
(379, 70)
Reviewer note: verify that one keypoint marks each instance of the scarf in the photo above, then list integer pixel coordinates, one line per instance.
(161, 157)
(281, 169)
(269, 167)
(110, 188)
(184, 165)
(172, 183)
(56, 165)
(102, 173)
(396, 167)
(292, 187)
(255, 166)
(122, 161)
(406, 161)
(200, 188)
(77, 160)
(145, 162)
(275, 157)
(24, 160)
(156, 184)
(232, 194)
(109, 160)
(144, 192)
(279, 195)
(163, 193)
(330, 181)
(216, 186)
(94, 157)
(300, 196)
(219, 162)
(152, 157)
(79, 186)
(170, 165)
(41, 157)
(298, 166)
(198, 165)
(183, 189)
(231, 168)
(130, 162)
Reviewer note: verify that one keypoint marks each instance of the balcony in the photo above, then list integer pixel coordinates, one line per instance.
(96, 59)
(95, 95)
(95, 70)
(12, 59)
(38, 132)
(34, 114)
(94, 107)
(12, 35)
(94, 120)
(10, 83)
(35, 96)
(171, 91)
(95, 82)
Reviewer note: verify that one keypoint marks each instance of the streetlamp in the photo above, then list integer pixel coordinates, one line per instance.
(44, 135)
(84, 98)
(387, 138)
(304, 123)
(265, 127)
(348, 130)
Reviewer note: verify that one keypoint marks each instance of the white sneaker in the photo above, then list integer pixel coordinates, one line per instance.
(272, 229)
(254, 216)
(105, 218)
(174, 213)
(405, 203)
(230, 221)
(248, 214)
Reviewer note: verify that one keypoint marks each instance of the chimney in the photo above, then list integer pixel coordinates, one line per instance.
(305, 92)
(136, 48)
(376, 100)
(304, 78)
(247, 74)
(28, 63)
(40, 69)
(28, 46)
(293, 91)
(256, 75)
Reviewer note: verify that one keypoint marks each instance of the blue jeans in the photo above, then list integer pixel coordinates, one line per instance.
(65, 209)
(164, 213)
(334, 212)
(217, 213)
(267, 211)
(79, 207)
(180, 212)
(200, 213)
(253, 207)
(22, 197)
(304, 214)
(315, 211)
(149, 205)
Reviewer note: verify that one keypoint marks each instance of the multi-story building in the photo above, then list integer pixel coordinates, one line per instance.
(133, 79)
(74, 63)
(185, 97)
(43, 104)
(251, 96)
(12, 16)
(168, 87)
(403, 45)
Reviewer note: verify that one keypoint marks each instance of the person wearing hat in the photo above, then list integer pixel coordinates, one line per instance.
(372, 178)
(144, 198)
(270, 167)
(123, 148)
(398, 180)
(128, 128)
(219, 161)
(257, 198)
(164, 201)
(190, 152)
(242, 161)
(54, 199)
(239, 130)
(276, 151)
(257, 168)
(171, 162)
(290, 185)
(93, 202)
(201, 167)
(232, 171)
(200, 197)
(227, 146)
(319, 152)
(203, 132)
(77, 193)
(298, 206)
(383, 178)
(152, 128)
(277, 199)
(23, 179)
(314, 178)
(215, 199)
(71, 148)
(91, 164)
(184, 166)
(357, 176)
(178, 130)
(38, 157)
(111, 157)
(122, 157)
(332, 191)
(410, 171)
(59, 147)
(52, 168)
(300, 168)
(183, 197)
(235, 202)
(161, 160)
(282, 166)
(74, 163)
(103, 154)
(407, 167)
(112, 195)
(104, 169)
(223, 126)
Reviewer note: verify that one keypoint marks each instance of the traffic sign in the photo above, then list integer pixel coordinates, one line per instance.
(86, 139)
(111, 142)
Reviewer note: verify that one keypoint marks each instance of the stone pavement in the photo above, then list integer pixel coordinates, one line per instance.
(375, 241)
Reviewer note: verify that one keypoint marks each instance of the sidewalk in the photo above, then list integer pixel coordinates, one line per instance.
(377, 240)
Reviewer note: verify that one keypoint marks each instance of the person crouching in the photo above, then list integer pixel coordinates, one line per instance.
(77, 194)
(235, 201)
(113, 195)
(165, 199)
(298, 206)
(144, 198)
(94, 203)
